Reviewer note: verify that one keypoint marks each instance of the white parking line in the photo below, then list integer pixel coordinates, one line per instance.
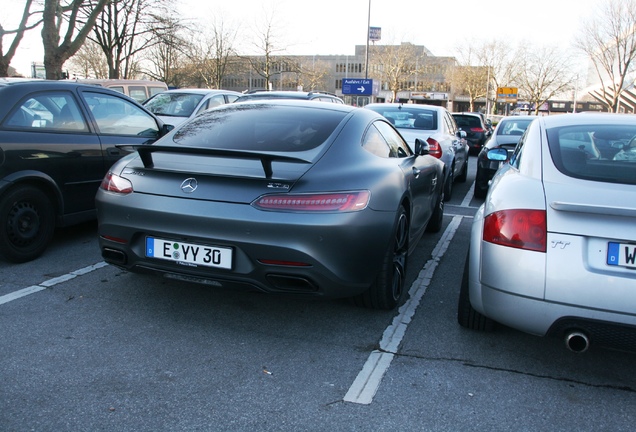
(49, 283)
(469, 196)
(369, 378)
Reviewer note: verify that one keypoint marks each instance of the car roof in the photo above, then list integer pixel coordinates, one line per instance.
(472, 114)
(521, 117)
(202, 91)
(286, 94)
(36, 84)
(295, 102)
(586, 118)
(397, 104)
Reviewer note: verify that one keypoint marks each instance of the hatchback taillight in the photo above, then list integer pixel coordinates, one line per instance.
(435, 149)
(477, 129)
(116, 184)
(522, 229)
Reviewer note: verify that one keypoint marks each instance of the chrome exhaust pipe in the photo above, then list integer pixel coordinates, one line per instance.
(577, 341)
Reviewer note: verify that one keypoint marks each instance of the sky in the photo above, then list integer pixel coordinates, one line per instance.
(324, 27)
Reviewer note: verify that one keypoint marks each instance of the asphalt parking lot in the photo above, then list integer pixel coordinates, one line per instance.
(87, 347)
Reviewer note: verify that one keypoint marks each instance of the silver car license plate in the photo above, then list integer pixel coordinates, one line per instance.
(621, 254)
(189, 253)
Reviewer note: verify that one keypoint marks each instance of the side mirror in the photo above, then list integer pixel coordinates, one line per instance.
(421, 147)
(166, 128)
(461, 134)
(497, 154)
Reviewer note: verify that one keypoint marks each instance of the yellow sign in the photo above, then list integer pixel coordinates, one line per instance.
(507, 94)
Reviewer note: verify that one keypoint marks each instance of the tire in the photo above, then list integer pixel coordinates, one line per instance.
(388, 287)
(479, 191)
(467, 316)
(437, 218)
(448, 186)
(464, 174)
(481, 187)
(27, 224)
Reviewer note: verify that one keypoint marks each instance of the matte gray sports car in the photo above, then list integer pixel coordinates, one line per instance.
(282, 196)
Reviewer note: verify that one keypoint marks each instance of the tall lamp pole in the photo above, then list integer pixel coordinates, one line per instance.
(366, 63)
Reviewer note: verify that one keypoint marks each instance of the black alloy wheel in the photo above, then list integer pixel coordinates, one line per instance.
(27, 224)
(388, 288)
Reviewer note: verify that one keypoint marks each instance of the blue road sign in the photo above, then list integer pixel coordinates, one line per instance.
(357, 86)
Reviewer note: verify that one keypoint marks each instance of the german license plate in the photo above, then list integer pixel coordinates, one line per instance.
(621, 254)
(189, 253)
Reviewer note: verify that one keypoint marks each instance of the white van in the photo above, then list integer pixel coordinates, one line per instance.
(140, 90)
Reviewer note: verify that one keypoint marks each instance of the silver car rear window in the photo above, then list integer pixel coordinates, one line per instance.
(261, 127)
(604, 153)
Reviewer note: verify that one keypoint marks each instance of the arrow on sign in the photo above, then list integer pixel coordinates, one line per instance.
(361, 89)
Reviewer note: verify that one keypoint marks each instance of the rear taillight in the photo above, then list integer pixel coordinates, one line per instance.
(320, 202)
(435, 149)
(116, 184)
(522, 229)
(477, 129)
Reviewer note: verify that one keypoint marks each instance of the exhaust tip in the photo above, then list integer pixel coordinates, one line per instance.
(577, 341)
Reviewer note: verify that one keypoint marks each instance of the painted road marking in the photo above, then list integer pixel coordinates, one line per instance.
(369, 378)
(49, 283)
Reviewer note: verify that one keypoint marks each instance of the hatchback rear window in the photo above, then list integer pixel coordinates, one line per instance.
(261, 128)
(605, 153)
(464, 121)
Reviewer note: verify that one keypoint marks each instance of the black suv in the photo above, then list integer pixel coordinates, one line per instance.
(57, 140)
(477, 133)
(313, 95)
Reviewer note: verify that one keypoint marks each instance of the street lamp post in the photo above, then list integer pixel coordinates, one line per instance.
(366, 63)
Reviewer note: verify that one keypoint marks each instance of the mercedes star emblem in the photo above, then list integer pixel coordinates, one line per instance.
(189, 185)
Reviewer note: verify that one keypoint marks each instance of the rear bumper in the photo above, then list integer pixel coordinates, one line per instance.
(340, 253)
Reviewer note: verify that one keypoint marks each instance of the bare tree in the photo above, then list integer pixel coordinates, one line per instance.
(124, 29)
(59, 16)
(212, 53)
(547, 72)
(609, 39)
(89, 61)
(266, 63)
(498, 57)
(313, 75)
(473, 81)
(483, 67)
(166, 59)
(395, 65)
(23, 26)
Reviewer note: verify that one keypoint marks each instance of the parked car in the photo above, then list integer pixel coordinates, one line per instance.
(176, 106)
(275, 195)
(284, 94)
(436, 126)
(139, 90)
(57, 140)
(506, 136)
(477, 132)
(553, 247)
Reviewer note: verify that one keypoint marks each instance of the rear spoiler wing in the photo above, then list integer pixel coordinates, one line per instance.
(145, 153)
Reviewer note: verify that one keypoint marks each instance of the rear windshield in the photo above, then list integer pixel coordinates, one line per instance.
(408, 118)
(259, 128)
(605, 153)
(513, 127)
(173, 104)
(466, 121)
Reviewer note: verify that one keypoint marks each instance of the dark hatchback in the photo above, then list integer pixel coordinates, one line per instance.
(498, 149)
(477, 133)
(57, 140)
